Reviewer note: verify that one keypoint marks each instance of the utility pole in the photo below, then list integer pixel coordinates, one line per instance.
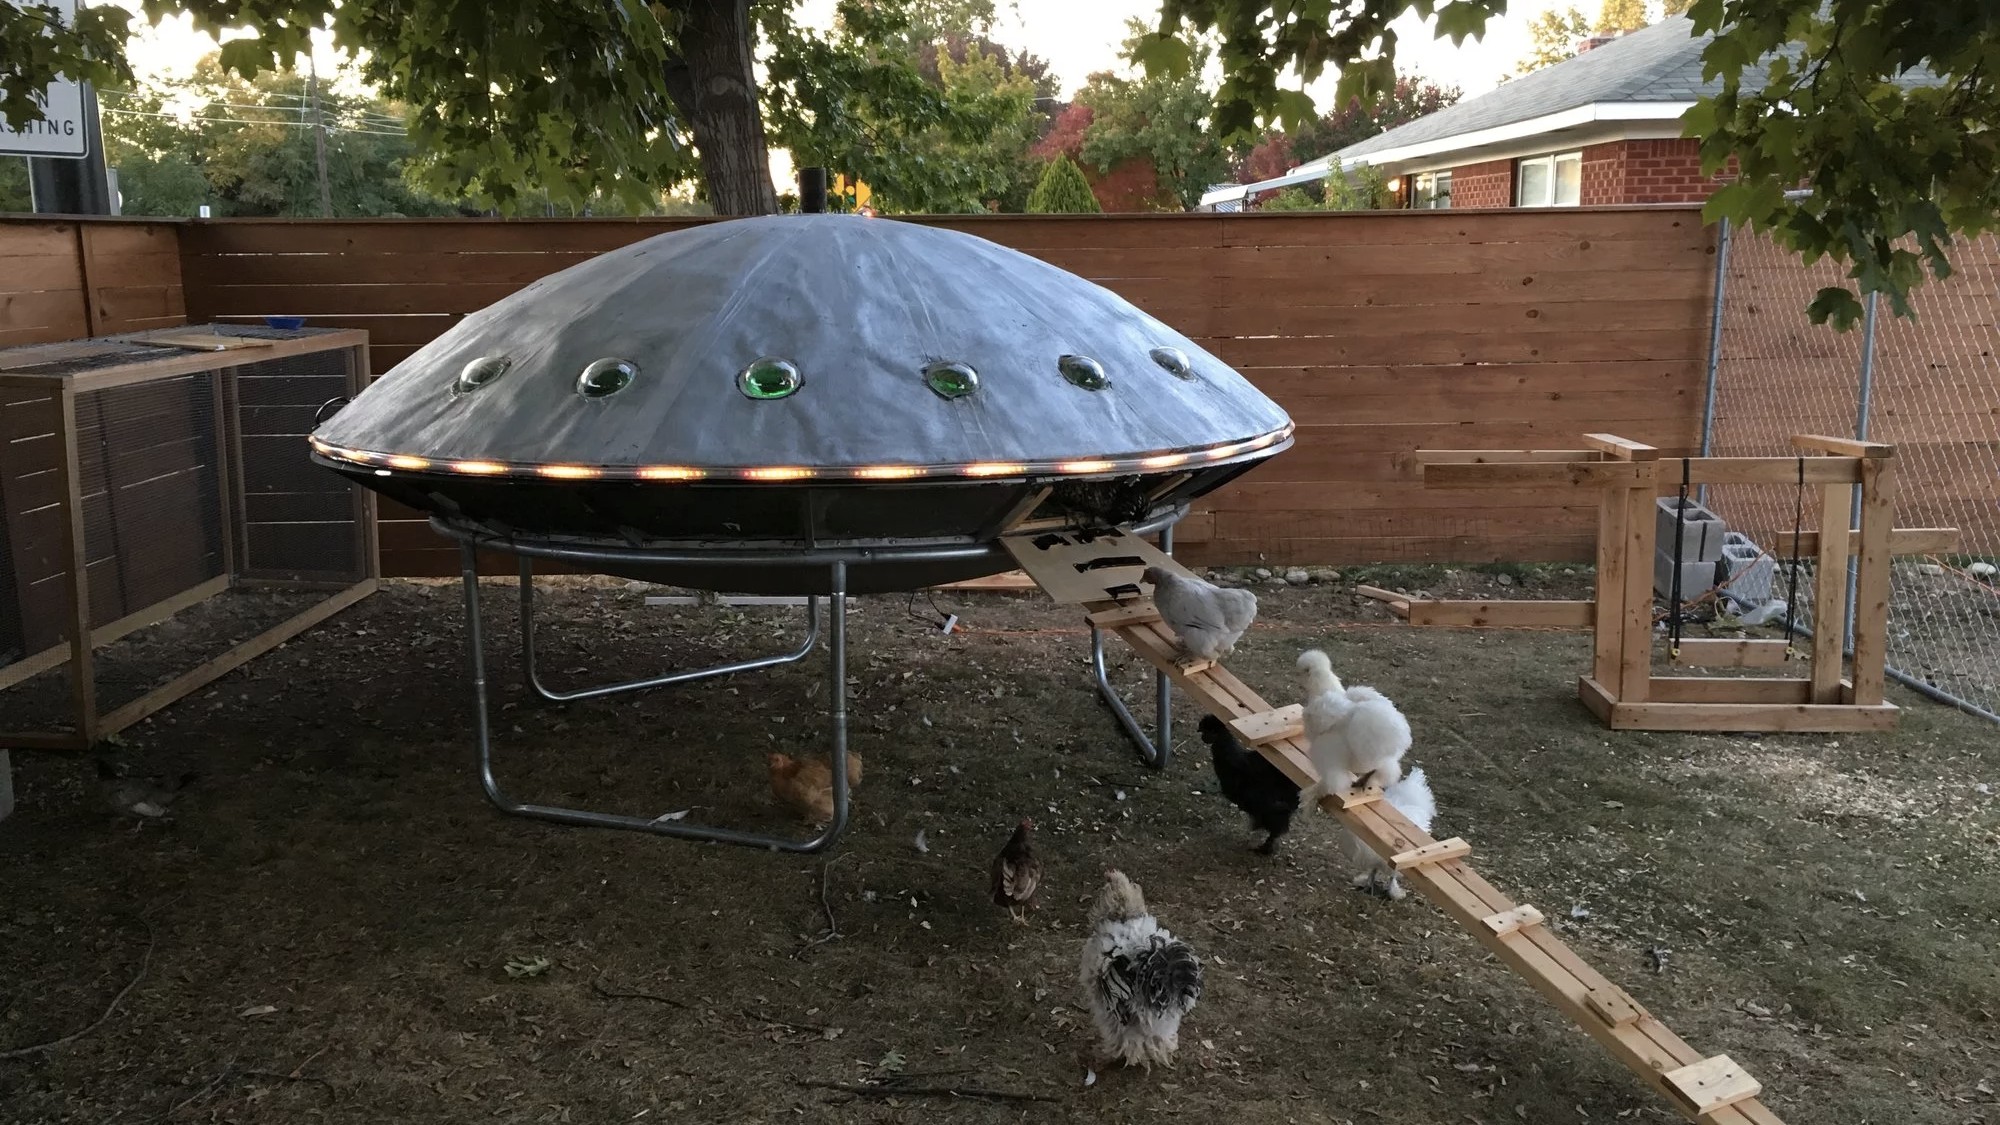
(319, 135)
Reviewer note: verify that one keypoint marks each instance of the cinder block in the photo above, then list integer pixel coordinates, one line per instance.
(1701, 537)
(1697, 578)
(1749, 572)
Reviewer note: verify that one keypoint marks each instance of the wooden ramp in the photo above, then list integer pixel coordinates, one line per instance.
(1704, 1088)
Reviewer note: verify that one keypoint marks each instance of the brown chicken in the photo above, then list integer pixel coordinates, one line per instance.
(805, 785)
(1017, 873)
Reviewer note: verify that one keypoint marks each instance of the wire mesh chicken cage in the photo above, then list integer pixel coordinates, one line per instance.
(161, 522)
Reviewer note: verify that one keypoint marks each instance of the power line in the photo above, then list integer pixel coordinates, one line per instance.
(249, 121)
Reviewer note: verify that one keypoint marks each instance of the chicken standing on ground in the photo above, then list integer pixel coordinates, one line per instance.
(1138, 979)
(144, 798)
(805, 785)
(1208, 619)
(1017, 873)
(1358, 737)
(1413, 798)
(1251, 783)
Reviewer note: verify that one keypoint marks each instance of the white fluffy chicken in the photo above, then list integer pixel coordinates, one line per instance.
(1138, 979)
(1413, 798)
(1207, 618)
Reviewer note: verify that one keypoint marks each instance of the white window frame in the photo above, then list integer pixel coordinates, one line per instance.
(1550, 162)
(1437, 199)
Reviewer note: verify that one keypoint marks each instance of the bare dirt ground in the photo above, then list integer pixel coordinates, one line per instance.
(324, 933)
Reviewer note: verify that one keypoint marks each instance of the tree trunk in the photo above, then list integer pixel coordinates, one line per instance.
(714, 88)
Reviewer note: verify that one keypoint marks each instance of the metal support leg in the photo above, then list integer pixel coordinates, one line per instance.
(483, 734)
(1157, 751)
(533, 675)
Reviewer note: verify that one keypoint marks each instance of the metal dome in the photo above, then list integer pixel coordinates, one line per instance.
(704, 385)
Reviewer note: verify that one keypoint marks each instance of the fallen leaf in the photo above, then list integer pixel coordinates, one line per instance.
(667, 816)
(259, 1010)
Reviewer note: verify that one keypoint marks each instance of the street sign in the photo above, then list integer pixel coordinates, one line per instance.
(62, 132)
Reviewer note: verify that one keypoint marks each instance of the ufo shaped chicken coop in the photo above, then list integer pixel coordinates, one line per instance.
(810, 404)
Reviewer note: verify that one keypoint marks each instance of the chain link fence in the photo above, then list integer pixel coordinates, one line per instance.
(1929, 386)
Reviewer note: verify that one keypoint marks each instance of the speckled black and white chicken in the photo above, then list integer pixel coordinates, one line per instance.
(1138, 979)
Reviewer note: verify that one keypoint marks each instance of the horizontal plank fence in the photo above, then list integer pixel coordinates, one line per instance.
(1381, 333)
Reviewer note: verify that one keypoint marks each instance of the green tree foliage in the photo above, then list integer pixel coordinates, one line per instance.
(854, 100)
(1062, 190)
(1828, 96)
(1159, 118)
(1552, 37)
(1616, 17)
(1815, 92)
(571, 98)
(1362, 189)
(246, 148)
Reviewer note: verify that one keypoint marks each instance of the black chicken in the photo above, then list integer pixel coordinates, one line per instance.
(1251, 783)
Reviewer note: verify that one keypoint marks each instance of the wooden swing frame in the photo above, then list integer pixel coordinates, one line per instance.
(1628, 476)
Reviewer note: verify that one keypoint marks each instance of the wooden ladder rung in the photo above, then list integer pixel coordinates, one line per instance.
(1271, 726)
(1711, 1084)
(1135, 613)
(1441, 851)
(1510, 921)
(1359, 797)
(1612, 1005)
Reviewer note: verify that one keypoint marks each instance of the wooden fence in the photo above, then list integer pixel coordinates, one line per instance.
(1380, 333)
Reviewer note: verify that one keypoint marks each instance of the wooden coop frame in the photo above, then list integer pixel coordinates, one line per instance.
(1101, 575)
(1621, 688)
(57, 501)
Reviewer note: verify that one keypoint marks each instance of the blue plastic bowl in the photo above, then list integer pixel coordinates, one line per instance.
(285, 321)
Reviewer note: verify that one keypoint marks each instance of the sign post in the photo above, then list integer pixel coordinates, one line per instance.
(65, 150)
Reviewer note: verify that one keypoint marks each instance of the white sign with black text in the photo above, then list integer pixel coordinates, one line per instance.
(61, 133)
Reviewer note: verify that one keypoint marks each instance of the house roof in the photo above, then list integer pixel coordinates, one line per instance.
(1660, 65)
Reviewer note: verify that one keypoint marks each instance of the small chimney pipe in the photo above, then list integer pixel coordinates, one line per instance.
(812, 190)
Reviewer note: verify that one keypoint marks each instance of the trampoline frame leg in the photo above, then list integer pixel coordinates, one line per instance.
(1158, 750)
(587, 818)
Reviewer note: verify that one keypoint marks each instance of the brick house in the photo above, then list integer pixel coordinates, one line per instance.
(1600, 128)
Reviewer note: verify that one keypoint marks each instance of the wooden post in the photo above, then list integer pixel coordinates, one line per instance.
(1871, 584)
(83, 677)
(1610, 612)
(1635, 659)
(1830, 593)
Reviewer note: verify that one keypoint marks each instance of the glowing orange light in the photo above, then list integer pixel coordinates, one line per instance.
(1163, 461)
(669, 472)
(569, 472)
(995, 469)
(405, 461)
(1086, 466)
(478, 468)
(777, 472)
(889, 472)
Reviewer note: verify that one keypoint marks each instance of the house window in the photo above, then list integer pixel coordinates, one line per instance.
(1549, 181)
(1431, 190)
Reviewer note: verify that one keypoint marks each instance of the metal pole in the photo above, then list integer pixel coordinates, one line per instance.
(67, 186)
(1714, 348)
(1866, 396)
(319, 135)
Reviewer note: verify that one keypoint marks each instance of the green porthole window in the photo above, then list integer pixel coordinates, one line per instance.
(1084, 371)
(951, 379)
(606, 377)
(479, 372)
(769, 378)
(1174, 361)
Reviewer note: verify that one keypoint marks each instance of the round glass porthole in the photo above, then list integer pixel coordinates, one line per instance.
(1084, 371)
(951, 379)
(479, 372)
(605, 377)
(768, 378)
(1174, 361)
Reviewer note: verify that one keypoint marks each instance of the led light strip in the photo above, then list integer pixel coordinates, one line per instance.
(385, 464)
